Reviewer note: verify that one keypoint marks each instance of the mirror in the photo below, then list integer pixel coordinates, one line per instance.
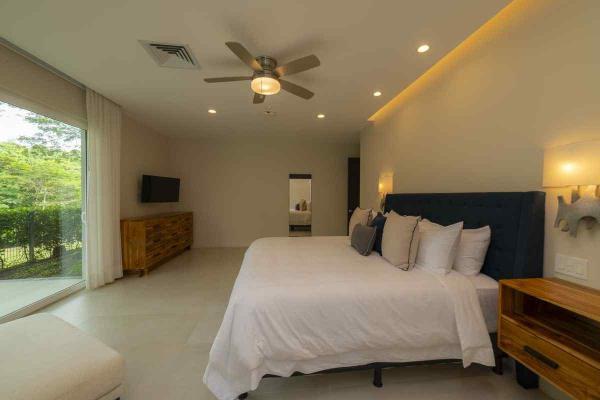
(300, 207)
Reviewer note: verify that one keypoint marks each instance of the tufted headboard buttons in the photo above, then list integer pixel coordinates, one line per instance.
(516, 220)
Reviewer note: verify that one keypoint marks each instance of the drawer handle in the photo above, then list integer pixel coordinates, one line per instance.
(552, 364)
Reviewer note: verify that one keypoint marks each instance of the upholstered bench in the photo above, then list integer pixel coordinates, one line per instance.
(44, 358)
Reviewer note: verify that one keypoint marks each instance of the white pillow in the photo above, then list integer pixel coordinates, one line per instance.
(398, 242)
(359, 216)
(472, 249)
(437, 246)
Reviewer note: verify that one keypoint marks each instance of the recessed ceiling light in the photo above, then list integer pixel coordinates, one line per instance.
(211, 111)
(423, 48)
(377, 93)
(320, 116)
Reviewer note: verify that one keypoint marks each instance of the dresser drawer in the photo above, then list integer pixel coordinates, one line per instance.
(570, 373)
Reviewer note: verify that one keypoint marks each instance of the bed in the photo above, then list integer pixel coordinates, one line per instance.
(306, 305)
(300, 218)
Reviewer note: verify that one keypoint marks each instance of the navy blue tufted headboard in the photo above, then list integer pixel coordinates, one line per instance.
(515, 218)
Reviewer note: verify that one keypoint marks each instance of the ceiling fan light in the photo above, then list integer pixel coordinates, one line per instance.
(265, 85)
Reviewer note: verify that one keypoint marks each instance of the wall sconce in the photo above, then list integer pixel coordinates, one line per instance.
(575, 165)
(386, 185)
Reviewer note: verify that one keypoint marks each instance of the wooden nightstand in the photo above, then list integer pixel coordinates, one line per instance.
(552, 327)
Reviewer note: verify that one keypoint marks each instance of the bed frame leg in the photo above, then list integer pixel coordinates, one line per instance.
(377, 372)
(499, 368)
(243, 396)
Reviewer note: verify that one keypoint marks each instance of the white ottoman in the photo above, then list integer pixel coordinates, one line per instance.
(44, 358)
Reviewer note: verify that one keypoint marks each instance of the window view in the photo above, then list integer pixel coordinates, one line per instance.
(41, 198)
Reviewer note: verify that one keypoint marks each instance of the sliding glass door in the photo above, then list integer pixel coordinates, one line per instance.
(41, 198)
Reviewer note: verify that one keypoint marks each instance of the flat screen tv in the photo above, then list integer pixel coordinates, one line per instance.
(159, 189)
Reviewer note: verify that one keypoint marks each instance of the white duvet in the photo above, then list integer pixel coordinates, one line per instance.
(309, 304)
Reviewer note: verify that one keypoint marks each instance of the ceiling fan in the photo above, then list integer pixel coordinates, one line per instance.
(266, 79)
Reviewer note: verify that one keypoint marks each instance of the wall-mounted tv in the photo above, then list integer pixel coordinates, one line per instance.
(159, 189)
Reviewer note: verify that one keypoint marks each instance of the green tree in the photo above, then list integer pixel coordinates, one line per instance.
(52, 134)
(34, 176)
(43, 168)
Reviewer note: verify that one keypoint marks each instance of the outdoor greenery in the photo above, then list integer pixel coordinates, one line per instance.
(67, 266)
(40, 199)
(43, 169)
(40, 232)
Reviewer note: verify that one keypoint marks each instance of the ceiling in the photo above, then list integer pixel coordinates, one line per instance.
(363, 46)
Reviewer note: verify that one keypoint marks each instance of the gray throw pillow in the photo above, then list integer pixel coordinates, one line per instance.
(363, 238)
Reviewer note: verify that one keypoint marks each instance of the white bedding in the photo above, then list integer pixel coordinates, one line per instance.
(487, 292)
(309, 304)
(300, 217)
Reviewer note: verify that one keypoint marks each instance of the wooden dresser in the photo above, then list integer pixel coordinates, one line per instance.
(552, 327)
(148, 241)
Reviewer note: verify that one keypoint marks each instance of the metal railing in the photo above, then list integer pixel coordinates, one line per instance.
(28, 236)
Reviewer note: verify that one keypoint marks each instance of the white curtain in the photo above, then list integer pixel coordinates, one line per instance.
(103, 236)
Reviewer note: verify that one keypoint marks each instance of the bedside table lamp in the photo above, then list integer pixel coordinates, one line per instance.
(575, 165)
(386, 185)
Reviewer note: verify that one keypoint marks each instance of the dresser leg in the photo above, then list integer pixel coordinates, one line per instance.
(525, 377)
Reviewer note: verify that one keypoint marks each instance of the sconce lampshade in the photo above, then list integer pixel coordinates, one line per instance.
(386, 183)
(575, 164)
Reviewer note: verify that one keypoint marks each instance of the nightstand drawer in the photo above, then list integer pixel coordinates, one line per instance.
(573, 375)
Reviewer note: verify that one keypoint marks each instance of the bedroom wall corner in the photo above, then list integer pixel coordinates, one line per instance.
(238, 187)
(525, 81)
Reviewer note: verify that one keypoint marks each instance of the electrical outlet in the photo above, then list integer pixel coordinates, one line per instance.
(571, 266)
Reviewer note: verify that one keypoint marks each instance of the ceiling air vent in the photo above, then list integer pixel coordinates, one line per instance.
(171, 55)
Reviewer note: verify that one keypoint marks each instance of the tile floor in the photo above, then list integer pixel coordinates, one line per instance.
(164, 325)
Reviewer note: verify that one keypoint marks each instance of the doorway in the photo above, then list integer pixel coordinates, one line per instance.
(300, 205)
(353, 186)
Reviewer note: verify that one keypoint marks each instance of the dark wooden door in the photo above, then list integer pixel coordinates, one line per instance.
(353, 184)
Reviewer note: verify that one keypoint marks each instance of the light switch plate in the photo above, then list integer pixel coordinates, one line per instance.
(571, 266)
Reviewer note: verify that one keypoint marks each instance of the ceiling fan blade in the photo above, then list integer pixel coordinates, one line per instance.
(244, 55)
(295, 89)
(258, 98)
(299, 65)
(228, 79)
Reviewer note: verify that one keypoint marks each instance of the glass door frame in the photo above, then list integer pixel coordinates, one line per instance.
(54, 297)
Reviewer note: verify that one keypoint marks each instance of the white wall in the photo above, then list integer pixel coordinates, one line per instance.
(480, 119)
(143, 151)
(238, 188)
(299, 190)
